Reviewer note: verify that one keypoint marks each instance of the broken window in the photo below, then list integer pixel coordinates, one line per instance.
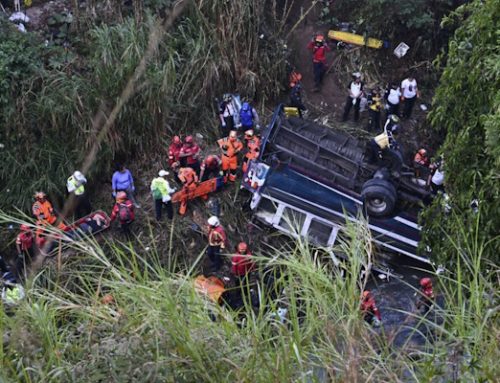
(319, 232)
(292, 220)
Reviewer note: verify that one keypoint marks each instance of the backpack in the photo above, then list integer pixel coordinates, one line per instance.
(246, 115)
(124, 212)
(157, 193)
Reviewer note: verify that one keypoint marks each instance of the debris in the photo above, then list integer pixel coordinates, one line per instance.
(401, 50)
(423, 107)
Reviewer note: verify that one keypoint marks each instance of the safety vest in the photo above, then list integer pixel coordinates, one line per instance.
(74, 185)
(44, 212)
(160, 188)
(233, 147)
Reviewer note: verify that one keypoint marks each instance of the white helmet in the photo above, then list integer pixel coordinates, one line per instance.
(79, 176)
(213, 221)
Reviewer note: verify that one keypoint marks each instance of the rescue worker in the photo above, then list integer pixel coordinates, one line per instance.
(210, 167)
(426, 297)
(436, 178)
(393, 96)
(410, 92)
(44, 212)
(24, 247)
(230, 147)
(217, 241)
(161, 191)
(318, 47)
(123, 181)
(189, 180)
(354, 98)
(241, 262)
(421, 163)
(370, 312)
(227, 112)
(374, 109)
(296, 92)
(380, 146)
(75, 184)
(252, 150)
(249, 118)
(174, 151)
(189, 154)
(124, 211)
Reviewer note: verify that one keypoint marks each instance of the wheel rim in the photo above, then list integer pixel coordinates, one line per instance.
(377, 205)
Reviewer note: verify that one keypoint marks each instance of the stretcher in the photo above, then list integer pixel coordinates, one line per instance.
(211, 287)
(197, 190)
(352, 38)
(106, 222)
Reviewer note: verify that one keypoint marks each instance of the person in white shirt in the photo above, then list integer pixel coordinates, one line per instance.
(355, 93)
(392, 96)
(410, 92)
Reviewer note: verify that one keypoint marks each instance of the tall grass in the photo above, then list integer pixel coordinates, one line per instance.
(159, 329)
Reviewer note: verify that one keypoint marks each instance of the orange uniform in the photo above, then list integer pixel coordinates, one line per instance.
(230, 147)
(189, 179)
(253, 151)
(44, 212)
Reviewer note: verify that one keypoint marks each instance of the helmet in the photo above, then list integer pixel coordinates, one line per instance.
(245, 106)
(422, 152)
(242, 247)
(227, 97)
(121, 196)
(319, 38)
(78, 174)
(213, 221)
(24, 227)
(40, 195)
(189, 140)
(249, 133)
(176, 140)
(211, 160)
(233, 134)
(163, 173)
(367, 294)
(425, 282)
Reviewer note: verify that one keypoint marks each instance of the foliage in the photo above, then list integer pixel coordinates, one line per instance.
(467, 109)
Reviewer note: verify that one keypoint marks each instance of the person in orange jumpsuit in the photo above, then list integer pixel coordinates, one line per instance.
(253, 148)
(426, 298)
(217, 240)
(370, 312)
(230, 147)
(44, 212)
(210, 167)
(189, 181)
(174, 151)
(241, 262)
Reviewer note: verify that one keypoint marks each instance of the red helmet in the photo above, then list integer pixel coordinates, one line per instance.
(121, 196)
(24, 227)
(188, 140)
(319, 38)
(242, 247)
(211, 160)
(176, 140)
(422, 152)
(425, 282)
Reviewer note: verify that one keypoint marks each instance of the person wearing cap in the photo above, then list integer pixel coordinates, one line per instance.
(318, 47)
(76, 185)
(355, 89)
(227, 112)
(161, 191)
(217, 241)
(124, 211)
(189, 155)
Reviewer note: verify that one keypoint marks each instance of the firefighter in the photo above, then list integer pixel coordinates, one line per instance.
(253, 148)
(189, 154)
(426, 298)
(241, 262)
(174, 151)
(44, 212)
(24, 247)
(319, 48)
(230, 147)
(217, 241)
(421, 162)
(210, 167)
(124, 211)
(370, 312)
(189, 181)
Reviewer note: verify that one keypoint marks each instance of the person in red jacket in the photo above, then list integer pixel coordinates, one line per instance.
(124, 211)
(174, 151)
(217, 241)
(189, 154)
(24, 246)
(318, 47)
(426, 298)
(370, 312)
(252, 150)
(241, 262)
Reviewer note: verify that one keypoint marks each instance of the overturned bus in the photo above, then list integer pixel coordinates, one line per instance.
(314, 178)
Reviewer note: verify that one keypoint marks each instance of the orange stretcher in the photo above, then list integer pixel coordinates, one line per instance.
(211, 287)
(199, 190)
